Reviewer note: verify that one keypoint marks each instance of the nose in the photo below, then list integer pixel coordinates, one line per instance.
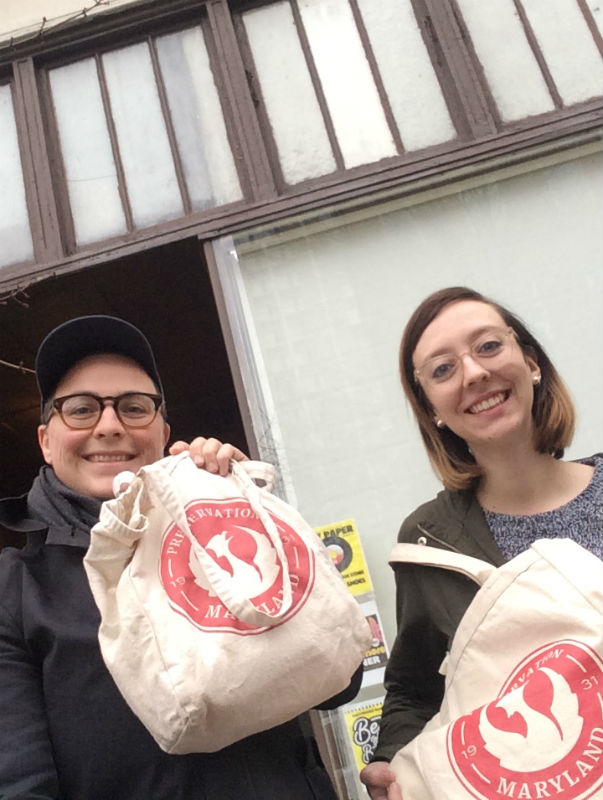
(473, 369)
(109, 423)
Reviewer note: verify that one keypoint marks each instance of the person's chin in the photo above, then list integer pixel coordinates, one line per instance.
(101, 490)
(101, 487)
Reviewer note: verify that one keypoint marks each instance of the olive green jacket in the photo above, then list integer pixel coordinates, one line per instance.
(429, 603)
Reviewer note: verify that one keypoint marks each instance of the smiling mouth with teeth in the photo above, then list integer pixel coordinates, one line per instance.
(495, 400)
(108, 457)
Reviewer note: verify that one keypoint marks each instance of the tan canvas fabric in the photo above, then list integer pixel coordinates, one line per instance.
(522, 715)
(222, 612)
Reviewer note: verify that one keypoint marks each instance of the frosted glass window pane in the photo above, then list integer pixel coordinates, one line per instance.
(511, 69)
(568, 47)
(362, 130)
(411, 84)
(301, 138)
(197, 119)
(143, 142)
(14, 222)
(90, 170)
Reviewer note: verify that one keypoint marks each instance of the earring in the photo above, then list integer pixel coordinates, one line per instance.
(536, 379)
(440, 423)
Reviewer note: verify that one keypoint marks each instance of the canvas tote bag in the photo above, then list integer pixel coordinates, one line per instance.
(222, 613)
(522, 715)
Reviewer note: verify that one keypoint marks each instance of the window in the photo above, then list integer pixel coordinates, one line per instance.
(344, 83)
(15, 233)
(536, 57)
(142, 136)
(216, 116)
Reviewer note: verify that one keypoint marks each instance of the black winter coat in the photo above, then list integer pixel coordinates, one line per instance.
(65, 731)
(430, 603)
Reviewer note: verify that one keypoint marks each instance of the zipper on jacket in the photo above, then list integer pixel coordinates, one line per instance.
(435, 539)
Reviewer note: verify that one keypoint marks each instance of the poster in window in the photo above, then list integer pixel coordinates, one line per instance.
(343, 543)
(362, 725)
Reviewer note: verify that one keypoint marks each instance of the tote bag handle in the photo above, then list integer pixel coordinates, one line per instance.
(474, 568)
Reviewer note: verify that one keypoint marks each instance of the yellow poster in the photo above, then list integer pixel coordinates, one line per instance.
(362, 723)
(342, 541)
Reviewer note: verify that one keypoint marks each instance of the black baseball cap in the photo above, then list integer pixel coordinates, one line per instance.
(78, 338)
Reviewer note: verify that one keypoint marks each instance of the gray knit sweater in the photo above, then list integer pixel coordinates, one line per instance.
(581, 520)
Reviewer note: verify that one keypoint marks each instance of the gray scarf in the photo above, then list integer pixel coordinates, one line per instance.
(68, 514)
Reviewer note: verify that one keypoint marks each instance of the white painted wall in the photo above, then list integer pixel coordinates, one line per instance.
(329, 309)
(23, 17)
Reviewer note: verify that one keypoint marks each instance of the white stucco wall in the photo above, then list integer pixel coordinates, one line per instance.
(23, 17)
(329, 309)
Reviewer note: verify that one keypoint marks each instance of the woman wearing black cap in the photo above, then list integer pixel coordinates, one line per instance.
(66, 731)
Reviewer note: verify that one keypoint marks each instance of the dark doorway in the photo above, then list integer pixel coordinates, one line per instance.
(166, 292)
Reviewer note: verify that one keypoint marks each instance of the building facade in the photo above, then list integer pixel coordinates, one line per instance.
(268, 189)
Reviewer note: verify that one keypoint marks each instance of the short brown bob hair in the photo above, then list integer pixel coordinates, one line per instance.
(553, 410)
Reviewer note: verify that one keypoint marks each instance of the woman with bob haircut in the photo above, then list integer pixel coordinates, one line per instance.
(495, 418)
(552, 409)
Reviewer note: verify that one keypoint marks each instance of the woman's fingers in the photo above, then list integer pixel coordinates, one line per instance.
(210, 454)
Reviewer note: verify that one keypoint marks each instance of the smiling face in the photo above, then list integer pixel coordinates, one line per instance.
(486, 400)
(88, 460)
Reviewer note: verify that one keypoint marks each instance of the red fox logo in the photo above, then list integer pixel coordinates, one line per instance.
(238, 552)
(235, 539)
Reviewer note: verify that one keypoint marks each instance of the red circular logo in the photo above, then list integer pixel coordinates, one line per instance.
(543, 735)
(236, 540)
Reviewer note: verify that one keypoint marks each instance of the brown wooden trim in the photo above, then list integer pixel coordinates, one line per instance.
(376, 74)
(396, 179)
(119, 39)
(36, 171)
(56, 163)
(448, 88)
(236, 147)
(207, 254)
(317, 84)
(28, 172)
(171, 134)
(538, 54)
(439, 61)
(259, 103)
(246, 126)
(473, 90)
(102, 29)
(592, 25)
(122, 187)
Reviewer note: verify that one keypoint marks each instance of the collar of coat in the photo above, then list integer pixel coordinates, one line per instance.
(453, 520)
(17, 527)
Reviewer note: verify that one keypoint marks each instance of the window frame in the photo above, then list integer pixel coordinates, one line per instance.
(483, 141)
